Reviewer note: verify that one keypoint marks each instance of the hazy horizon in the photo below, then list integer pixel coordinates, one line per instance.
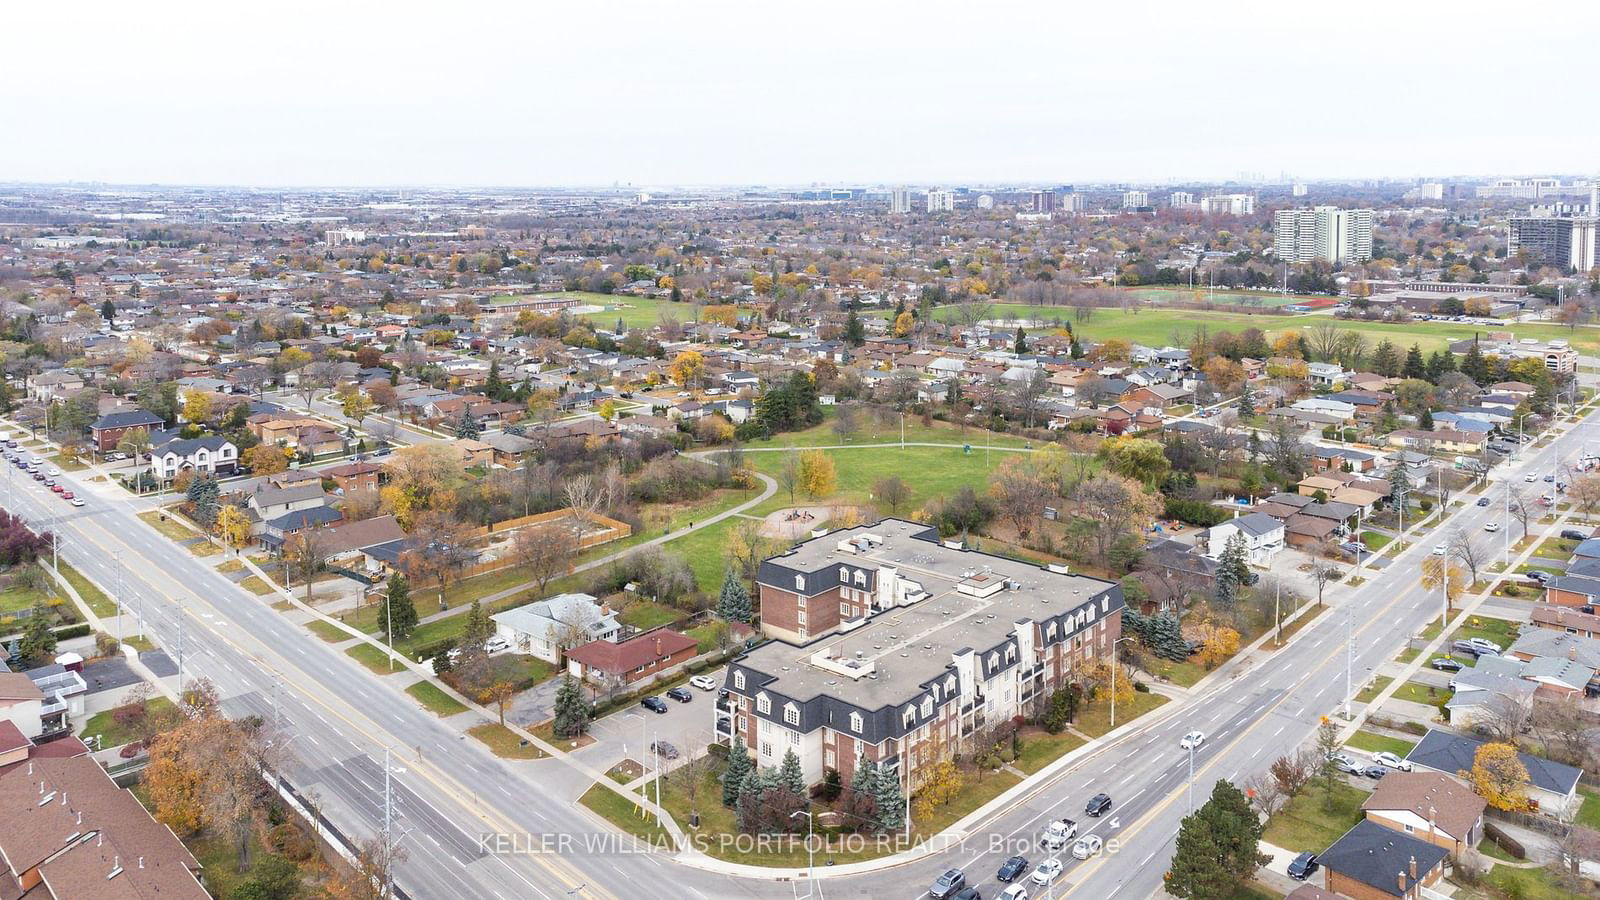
(726, 95)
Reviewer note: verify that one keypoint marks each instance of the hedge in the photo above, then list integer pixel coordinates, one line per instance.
(1195, 512)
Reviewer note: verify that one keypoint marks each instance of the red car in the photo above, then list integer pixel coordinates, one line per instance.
(56, 488)
(66, 495)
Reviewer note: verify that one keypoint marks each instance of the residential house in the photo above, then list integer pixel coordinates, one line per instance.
(1552, 786)
(54, 386)
(1370, 862)
(509, 449)
(350, 539)
(1572, 590)
(354, 477)
(1440, 440)
(1566, 621)
(1328, 375)
(269, 502)
(22, 703)
(1428, 806)
(1338, 409)
(617, 663)
(1161, 396)
(546, 628)
(1491, 691)
(108, 430)
(213, 455)
(275, 533)
(1264, 537)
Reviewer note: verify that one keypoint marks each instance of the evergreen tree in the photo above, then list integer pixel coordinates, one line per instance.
(1166, 637)
(1021, 345)
(397, 615)
(1218, 847)
(1474, 366)
(1386, 359)
(442, 662)
(790, 775)
(571, 713)
(891, 801)
(1305, 348)
(1232, 571)
(751, 788)
(1077, 348)
(477, 632)
(854, 332)
(739, 765)
(1247, 402)
(1440, 363)
(38, 645)
(1414, 367)
(468, 428)
(108, 310)
(733, 605)
(1399, 484)
(204, 497)
(1425, 421)
(493, 387)
(677, 295)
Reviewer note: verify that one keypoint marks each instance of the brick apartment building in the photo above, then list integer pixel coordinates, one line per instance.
(894, 646)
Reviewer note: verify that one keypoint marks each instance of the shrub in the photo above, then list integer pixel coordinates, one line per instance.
(1195, 512)
(105, 644)
(1141, 687)
(81, 629)
(289, 840)
(129, 714)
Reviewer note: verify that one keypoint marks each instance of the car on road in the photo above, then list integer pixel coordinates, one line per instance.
(1531, 477)
(38, 476)
(1302, 866)
(56, 488)
(1483, 501)
(1014, 892)
(1484, 644)
(55, 472)
(1439, 549)
(1549, 478)
(77, 501)
(1573, 534)
(664, 749)
(680, 694)
(1097, 805)
(948, 884)
(1014, 868)
(1057, 833)
(1047, 871)
(1194, 740)
(66, 495)
(1491, 527)
(704, 682)
(1086, 846)
(1385, 758)
(969, 893)
(654, 704)
(1446, 664)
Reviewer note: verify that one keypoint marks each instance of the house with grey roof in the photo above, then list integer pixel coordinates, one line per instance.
(548, 628)
(1552, 786)
(1370, 860)
(1263, 537)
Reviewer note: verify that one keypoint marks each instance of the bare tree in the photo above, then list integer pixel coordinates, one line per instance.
(1265, 794)
(545, 552)
(893, 491)
(1521, 508)
(1504, 715)
(1563, 728)
(1462, 548)
(308, 551)
(316, 377)
(788, 474)
(1027, 394)
(573, 623)
(439, 550)
(845, 422)
(1022, 496)
(1323, 569)
(973, 310)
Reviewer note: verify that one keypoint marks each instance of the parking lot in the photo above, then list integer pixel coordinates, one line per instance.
(687, 726)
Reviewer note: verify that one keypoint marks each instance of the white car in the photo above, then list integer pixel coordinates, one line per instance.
(1194, 740)
(1014, 892)
(704, 682)
(1048, 870)
(496, 645)
(1438, 549)
(77, 501)
(1087, 846)
(1385, 758)
(1531, 477)
(1491, 527)
(54, 472)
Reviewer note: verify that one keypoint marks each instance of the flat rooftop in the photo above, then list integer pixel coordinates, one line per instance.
(912, 644)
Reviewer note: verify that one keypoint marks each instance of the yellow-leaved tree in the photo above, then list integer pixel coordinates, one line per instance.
(233, 526)
(817, 476)
(1499, 777)
(687, 368)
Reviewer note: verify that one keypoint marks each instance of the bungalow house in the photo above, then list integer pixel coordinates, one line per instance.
(1441, 440)
(1161, 396)
(1428, 806)
(1338, 409)
(214, 455)
(546, 628)
(1371, 861)
(1263, 535)
(1368, 404)
(1305, 531)
(509, 449)
(1306, 419)
(1572, 590)
(1566, 621)
(1491, 691)
(108, 430)
(614, 664)
(581, 431)
(1551, 786)
(350, 539)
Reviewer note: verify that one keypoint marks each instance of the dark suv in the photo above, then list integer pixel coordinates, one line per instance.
(654, 704)
(680, 694)
(1015, 868)
(1097, 805)
(1302, 866)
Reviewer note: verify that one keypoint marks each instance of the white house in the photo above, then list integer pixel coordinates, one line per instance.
(1325, 374)
(21, 703)
(1345, 411)
(213, 455)
(1263, 537)
(548, 627)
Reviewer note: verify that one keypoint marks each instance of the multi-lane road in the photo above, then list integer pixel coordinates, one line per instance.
(337, 719)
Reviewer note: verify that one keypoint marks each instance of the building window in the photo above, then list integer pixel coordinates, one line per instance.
(799, 582)
(766, 748)
(828, 759)
(861, 577)
(844, 575)
(855, 722)
(908, 716)
(927, 707)
(791, 715)
(844, 609)
(950, 685)
(738, 679)
(763, 704)
(801, 617)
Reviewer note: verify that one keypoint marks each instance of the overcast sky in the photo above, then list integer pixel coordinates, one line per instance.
(862, 92)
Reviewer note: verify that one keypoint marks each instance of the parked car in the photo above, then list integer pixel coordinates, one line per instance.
(680, 694)
(1539, 575)
(1348, 767)
(664, 749)
(654, 704)
(1385, 758)
(1483, 501)
(496, 645)
(1446, 664)
(1097, 805)
(1047, 871)
(969, 893)
(704, 682)
(1087, 846)
(948, 884)
(1463, 647)
(1373, 772)
(1014, 868)
(1192, 741)
(1341, 758)
(1302, 866)
(1573, 534)
(1482, 644)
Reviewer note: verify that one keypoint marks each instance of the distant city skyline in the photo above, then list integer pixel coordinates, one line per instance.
(316, 95)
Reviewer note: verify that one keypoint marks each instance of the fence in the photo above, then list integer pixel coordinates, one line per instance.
(605, 529)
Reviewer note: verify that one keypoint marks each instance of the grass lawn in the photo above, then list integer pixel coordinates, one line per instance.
(1374, 689)
(1408, 655)
(437, 701)
(504, 742)
(628, 817)
(1492, 850)
(1095, 718)
(102, 605)
(374, 659)
(232, 565)
(19, 597)
(1372, 743)
(1501, 631)
(1589, 812)
(520, 669)
(647, 614)
(1180, 673)
(973, 794)
(1556, 548)
(1527, 883)
(1417, 692)
(333, 634)
(705, 635)
(1305, 823)
(205, 548)
(68, 465)
(546, 731)
(104, 724)
(1375, 540)
(140, 642)
(873, 431)
(1043, 748)
(256, 586)
(164, 523)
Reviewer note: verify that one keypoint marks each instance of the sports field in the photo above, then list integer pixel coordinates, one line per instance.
(636, 312)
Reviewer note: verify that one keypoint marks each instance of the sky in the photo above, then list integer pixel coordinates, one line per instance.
(710, 93)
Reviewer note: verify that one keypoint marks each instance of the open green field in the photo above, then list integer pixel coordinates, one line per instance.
(1306, 824)
(872, 430)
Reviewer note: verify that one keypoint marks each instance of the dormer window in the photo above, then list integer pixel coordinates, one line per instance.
(927, 707)
(791, 714)
(855, 722)
(799, 582)
(908, 716)
(861, 577)
(844, 575)
(763, 704)
(738, 680)
(950, 685)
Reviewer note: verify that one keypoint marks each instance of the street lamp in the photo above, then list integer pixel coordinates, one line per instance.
(811, 866)
(1191, 777)
(1114, 679)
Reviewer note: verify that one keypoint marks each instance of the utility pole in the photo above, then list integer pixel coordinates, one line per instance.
(388, 820)
(117, 587)
(180, 646)
(1348, 658)
(1277, 619)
